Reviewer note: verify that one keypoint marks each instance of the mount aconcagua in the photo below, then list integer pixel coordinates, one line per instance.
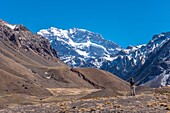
(149, 64)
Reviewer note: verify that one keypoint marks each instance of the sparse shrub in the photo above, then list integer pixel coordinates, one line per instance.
(168, 107)
(108, 103)
(100, 107)
(117, 106)
(83, 109)
(149, 104)
(163, 104)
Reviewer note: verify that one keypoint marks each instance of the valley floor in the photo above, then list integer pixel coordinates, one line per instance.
(157, 101)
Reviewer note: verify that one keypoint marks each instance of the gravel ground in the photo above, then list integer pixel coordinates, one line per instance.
(143, 103)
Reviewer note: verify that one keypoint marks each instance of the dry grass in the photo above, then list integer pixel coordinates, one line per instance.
(71, 91)
(152, 104)
(168, 107)
(163, 104)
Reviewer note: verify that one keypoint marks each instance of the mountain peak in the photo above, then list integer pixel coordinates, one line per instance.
(53, 31)
(85, 44)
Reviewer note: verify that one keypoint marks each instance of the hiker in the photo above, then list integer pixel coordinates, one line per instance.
(132, 87)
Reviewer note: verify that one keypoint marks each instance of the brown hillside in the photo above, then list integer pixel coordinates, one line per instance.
(30, 67)
(104, 79)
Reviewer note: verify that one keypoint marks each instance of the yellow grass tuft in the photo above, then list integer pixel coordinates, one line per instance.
(117, 106)
(149, 104)
(100, 107)
(108, 103)
(72, 100)
(83, 109)
(163, 104)
(168, 108)
(152, 104)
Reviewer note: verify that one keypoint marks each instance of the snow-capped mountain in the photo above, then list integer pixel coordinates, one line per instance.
(79, 47)
(156, 70)
(147, 63)
(144, 62)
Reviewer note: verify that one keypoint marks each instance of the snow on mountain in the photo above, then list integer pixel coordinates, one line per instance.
(157, 66)
(147, 63)
(159, 81)
(11, 26)
(79, 47)
(7, 24)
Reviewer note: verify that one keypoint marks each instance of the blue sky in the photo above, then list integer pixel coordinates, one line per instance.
(126, 22)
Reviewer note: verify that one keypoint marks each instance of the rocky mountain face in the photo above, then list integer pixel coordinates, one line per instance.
(82, 48)
(19, 36)
(156, 70)
(144, 63)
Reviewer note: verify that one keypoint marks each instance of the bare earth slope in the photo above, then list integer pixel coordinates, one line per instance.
(104, 79)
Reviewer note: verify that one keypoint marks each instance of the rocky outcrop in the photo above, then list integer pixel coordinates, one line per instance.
(20, 37)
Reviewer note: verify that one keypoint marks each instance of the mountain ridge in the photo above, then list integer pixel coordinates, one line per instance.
(123, 62)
